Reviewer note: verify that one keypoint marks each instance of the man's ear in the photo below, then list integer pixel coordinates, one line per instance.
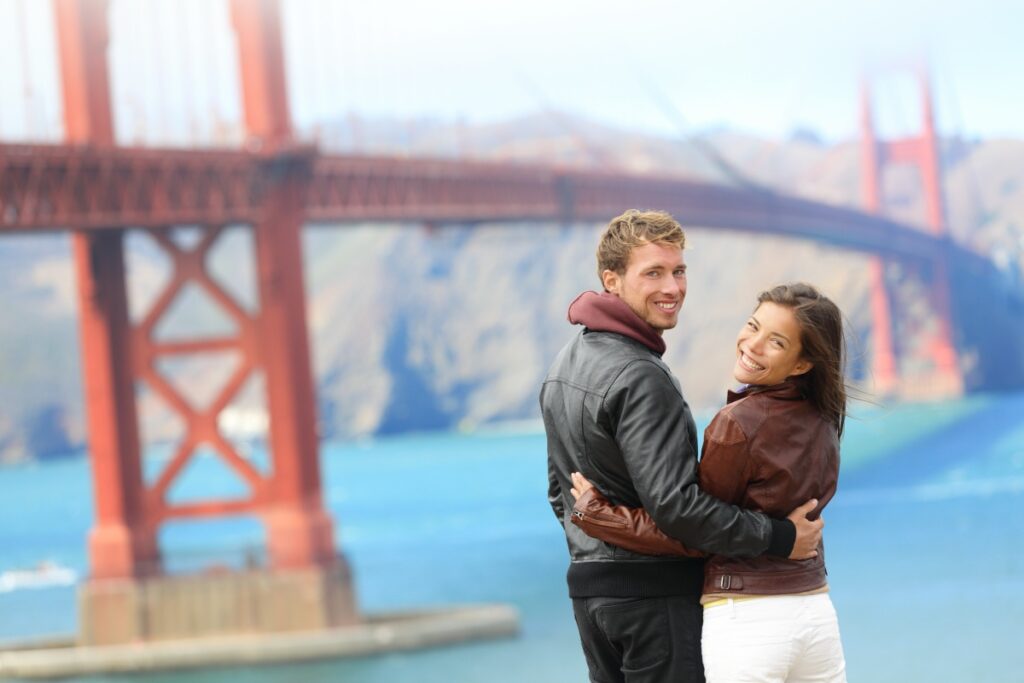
(611, 280)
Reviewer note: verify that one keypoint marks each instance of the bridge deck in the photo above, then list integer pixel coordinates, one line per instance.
(66, 187)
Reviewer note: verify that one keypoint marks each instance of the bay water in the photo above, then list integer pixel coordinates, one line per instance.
(925, 547)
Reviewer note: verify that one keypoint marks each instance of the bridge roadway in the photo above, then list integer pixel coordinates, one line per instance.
(62, 187)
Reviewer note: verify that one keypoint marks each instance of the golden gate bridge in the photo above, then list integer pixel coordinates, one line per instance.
(97, 190)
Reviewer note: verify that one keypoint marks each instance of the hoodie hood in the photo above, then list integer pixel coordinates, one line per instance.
(608, 313)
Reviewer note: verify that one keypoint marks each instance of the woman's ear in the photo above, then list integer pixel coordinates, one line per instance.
(802, 367)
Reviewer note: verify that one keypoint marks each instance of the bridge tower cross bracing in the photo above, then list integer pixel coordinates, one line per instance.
(128, 597)
(922, 152)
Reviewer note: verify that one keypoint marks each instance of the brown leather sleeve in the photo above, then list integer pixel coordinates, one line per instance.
(629, 528)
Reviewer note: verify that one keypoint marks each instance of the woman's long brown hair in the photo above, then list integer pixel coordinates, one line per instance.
(823, 344)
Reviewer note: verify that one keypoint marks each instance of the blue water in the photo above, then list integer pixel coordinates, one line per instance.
(924, 548)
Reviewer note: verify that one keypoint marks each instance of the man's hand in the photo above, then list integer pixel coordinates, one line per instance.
(580, 485)
(808, 533)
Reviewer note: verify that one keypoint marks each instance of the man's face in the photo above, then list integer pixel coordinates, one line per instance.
(654, 284)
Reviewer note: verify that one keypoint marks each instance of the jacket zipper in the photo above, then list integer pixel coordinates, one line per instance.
(599, 519)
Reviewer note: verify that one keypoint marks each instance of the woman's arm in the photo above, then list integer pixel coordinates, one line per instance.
(723, 473)
(629, 528)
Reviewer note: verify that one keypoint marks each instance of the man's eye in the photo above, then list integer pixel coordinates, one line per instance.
(680, 272)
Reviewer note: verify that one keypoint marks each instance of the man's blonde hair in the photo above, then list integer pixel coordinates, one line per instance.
(635, 228)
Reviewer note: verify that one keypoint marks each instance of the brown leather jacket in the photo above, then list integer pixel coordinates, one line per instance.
(768, 450)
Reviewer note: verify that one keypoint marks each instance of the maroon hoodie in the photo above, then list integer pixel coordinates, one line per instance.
(608, 313)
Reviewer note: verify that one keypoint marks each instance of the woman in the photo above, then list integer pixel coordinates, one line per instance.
(774, 446)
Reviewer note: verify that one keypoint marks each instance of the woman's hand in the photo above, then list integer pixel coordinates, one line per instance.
(580, 485)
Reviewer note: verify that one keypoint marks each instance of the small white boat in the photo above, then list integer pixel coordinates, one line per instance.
(44, 575)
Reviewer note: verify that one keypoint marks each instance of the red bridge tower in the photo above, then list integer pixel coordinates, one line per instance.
(127, 596)
(921, 151)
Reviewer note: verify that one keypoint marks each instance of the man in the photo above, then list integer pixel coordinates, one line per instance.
(614, 412)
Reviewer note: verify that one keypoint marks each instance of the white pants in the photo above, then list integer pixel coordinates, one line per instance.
(776, 639)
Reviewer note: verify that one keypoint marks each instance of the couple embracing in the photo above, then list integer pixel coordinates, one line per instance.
(678, 569)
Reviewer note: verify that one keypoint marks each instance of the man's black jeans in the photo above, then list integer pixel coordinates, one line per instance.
(641, 640)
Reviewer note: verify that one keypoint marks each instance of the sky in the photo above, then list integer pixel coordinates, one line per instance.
(673, 68)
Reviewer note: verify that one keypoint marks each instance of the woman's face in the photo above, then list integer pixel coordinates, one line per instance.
(768, 347)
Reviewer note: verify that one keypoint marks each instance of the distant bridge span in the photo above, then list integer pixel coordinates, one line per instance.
(61, 187)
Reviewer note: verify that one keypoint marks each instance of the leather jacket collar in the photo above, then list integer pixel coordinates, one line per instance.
(788, 390)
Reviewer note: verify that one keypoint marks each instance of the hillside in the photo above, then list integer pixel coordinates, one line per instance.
(453, 327)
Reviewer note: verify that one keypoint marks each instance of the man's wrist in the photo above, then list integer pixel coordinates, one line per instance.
(783, 538)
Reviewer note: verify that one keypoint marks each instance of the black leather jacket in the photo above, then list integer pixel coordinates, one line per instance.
(614, 412)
